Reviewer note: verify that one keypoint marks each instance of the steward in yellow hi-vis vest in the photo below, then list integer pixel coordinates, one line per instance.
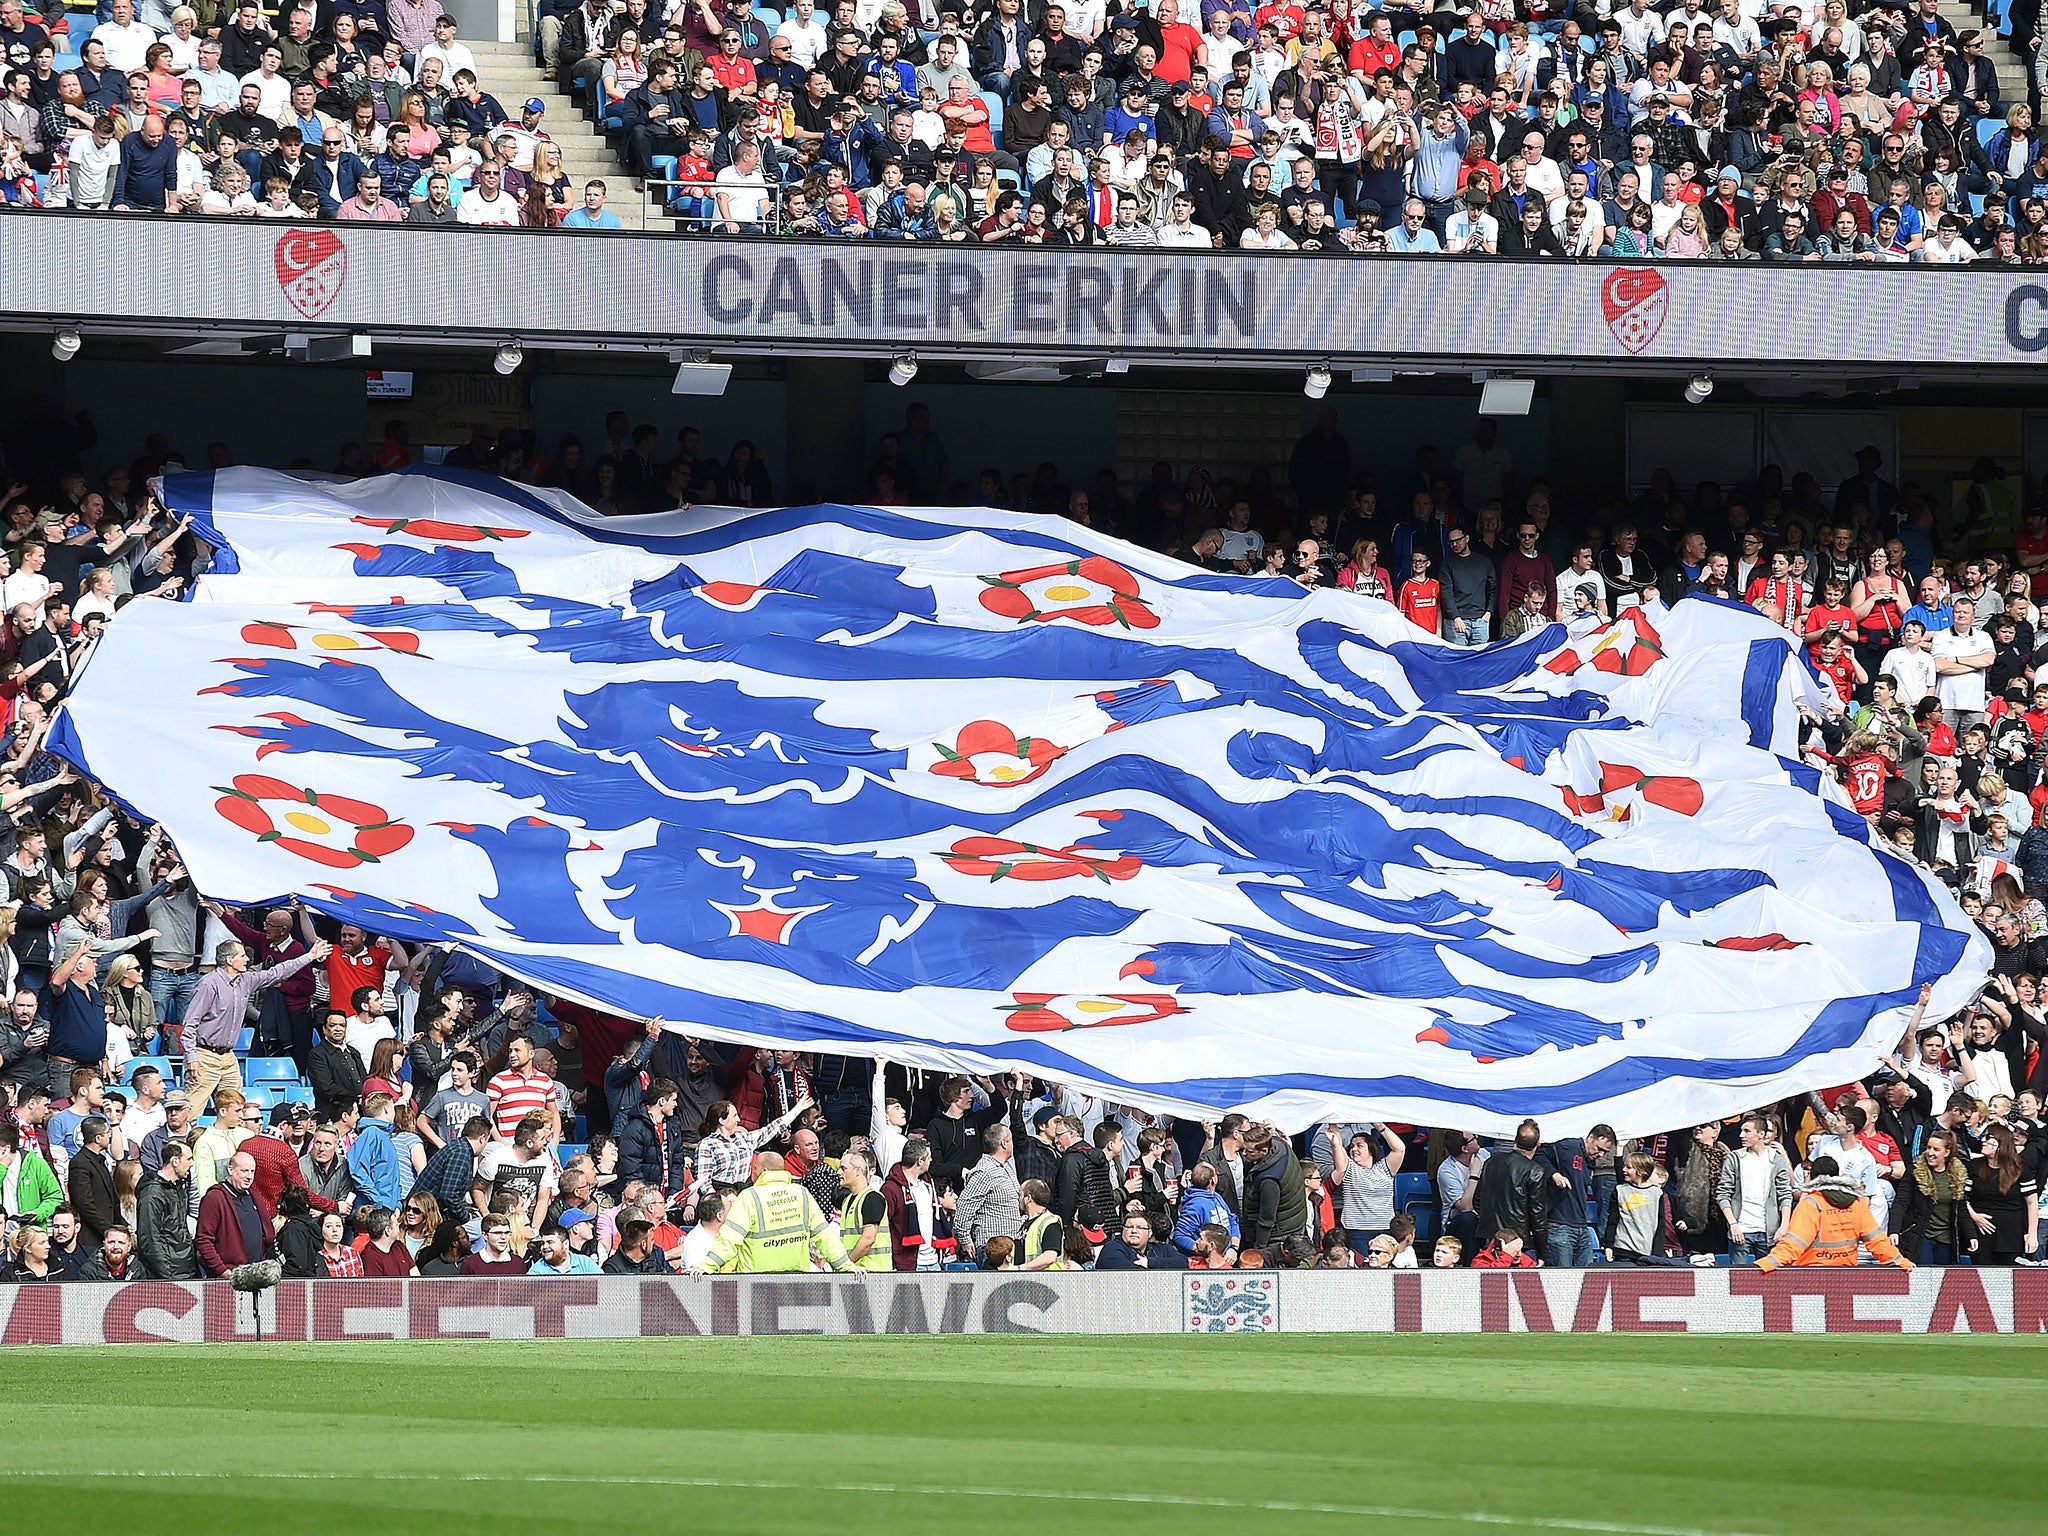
(771, 1228)
(863, 1208)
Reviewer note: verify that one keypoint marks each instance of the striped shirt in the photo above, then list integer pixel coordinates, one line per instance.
(515, 1095)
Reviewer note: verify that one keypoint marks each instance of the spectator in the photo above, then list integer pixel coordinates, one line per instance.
(234, 1228)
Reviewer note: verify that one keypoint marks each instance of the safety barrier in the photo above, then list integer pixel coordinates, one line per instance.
(1962, 1300)
(131, 274)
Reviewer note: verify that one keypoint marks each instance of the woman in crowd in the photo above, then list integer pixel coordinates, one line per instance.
(547, 188)
(1929, 1215)
(30, 1259)
(2002, 1202)
(337, 1260)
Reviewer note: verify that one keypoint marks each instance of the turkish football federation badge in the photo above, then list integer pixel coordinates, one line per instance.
(311, 265)
(1634, 300)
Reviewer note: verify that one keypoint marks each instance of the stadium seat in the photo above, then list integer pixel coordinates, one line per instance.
(270, 1069)
(1987, 129)
(296, 1093)
(245, 1042)
(569, 1149)
(994, 103)
(768, 16)
(262, 1098)
(171, 1067)
(1415, 1193)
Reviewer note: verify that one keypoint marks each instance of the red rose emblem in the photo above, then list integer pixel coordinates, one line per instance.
(1034, 1013)
(1001, 858)
(989, 753)
(1628, 647)
(1093, 591)
(434, 529)
(333, 830)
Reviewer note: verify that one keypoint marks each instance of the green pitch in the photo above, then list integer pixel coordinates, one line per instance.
(1699, 1436)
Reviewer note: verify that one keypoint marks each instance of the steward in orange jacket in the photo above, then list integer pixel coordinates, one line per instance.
(1829, 1222)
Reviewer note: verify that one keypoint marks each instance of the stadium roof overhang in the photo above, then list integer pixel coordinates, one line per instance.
(1082, 311)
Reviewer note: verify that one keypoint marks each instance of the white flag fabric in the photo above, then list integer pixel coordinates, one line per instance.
(971, 790)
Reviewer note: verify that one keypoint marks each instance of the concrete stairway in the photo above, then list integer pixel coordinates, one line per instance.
(2012, 72)
(508, 72)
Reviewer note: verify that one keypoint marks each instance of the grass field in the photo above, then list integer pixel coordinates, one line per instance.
(1700, 1436)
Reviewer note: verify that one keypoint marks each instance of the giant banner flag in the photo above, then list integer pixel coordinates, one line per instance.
(971, 790)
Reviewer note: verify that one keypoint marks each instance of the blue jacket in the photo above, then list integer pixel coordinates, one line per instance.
(893, 221)
(1118, 1254)
(854, 150)
(1201, 1208)
(333, 187)
(640, 1152)
(1567, 1202)
(373, 1163)
(622, 1093)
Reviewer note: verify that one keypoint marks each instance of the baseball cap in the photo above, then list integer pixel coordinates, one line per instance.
(1136, 87)
(177, 1098)
(535, 104)
(286, 1114)
(1180, 88)
(575, 1218)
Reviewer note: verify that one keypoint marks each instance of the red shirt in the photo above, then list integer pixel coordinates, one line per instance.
(972, 115)
(1177, 58)
(1867, 773)
(1841, 672)
(1369, 55)
(381, 1264)
(345, 973)
(1883, 1148)
(2030, 547)
(1820, 616)
(515, 1095)
(477, 1264)
(1787, 594)
(733, 73)
(1286, 20)
(1422, 601)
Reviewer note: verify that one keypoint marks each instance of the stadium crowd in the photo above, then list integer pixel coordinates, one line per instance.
(1694, 129)
(188, 1088)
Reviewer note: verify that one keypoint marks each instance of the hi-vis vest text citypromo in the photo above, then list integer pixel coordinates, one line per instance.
(771, 1228)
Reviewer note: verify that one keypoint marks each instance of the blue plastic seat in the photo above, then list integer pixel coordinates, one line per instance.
(270, 1069)
(994, 103)
(171, 1067)
(296, 1093)
(262, 1098)
(245, 1042)
(1415, 1193)
(569, 1149)
(1987, 130)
